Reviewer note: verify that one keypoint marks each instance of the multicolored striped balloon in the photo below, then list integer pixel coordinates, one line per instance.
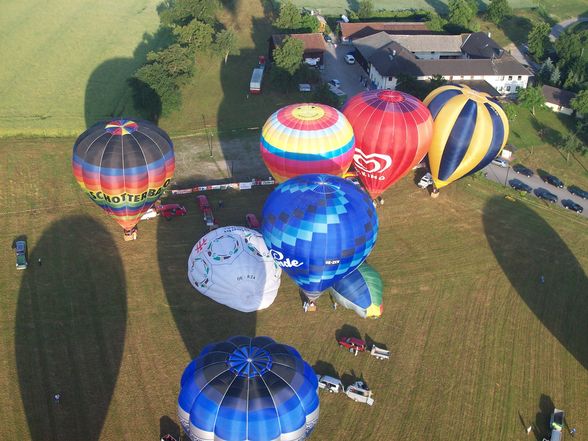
(361, 291)
(248, 389)
(393, 132)
(124, 166)
(307, 138)
(470, 130)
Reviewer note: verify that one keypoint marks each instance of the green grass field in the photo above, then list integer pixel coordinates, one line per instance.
(480, 348)
(66, 64)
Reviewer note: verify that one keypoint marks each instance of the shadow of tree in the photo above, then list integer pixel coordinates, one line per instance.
(439, 6)
(112, 93)
(70, 330)
(562, 311)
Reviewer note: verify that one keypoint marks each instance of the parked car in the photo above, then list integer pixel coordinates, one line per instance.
(252, 221)
(500, 162)
(522, 170)
(331, 384)
(574, 189)
(542, 193)
(170, 211)
(352, 343)
(328, 38)
(517, 184)
(553, 180)
(20, 249)
(425, 181)
(349, 59)
(335, 83)
(304, 87)
(571, 205)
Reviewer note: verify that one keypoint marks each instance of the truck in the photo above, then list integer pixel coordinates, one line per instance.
(257, 76)
(339, 95)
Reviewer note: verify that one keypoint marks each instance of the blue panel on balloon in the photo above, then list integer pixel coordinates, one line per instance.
(248, 389)
(319, 228)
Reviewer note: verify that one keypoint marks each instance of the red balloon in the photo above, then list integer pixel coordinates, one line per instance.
(393, 132)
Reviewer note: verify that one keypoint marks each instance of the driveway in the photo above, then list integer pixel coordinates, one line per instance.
(557, 29)
(348, 74)
(503, 174)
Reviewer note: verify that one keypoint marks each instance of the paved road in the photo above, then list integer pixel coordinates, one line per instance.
(557, 29)
(336, 67)
(502, 175)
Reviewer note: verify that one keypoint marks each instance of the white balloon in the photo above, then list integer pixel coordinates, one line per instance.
(233, 266)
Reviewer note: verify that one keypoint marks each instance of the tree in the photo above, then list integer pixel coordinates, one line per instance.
(461, 13)
(182, 12)
(572, 61)
(498, 9)
(538, 40)
(308, 23)
(289, 17)
(288, 56)
(546, 70)
(175, 60)
(580, 103)
(365, 8)
(531, 98)
(195, 35)
(225, 43)
(323, 95)
(555, 76)
(436, 22)
(157, 78)
(570, 144)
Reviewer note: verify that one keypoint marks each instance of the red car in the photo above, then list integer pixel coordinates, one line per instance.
(171, 210)
(352, 343)
(252, 221)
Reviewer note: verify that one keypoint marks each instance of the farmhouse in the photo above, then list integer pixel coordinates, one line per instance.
(558, 100)
(314, 46)
(464, 58)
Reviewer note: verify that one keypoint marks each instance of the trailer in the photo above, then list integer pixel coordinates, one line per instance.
(379, 353)
(256, 79)
(360, 393)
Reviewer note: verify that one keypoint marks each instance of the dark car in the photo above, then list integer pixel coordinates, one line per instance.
(542, 193)
(252, 221)
(574, 189)
(553, 180)
(522, 170)
(20, 248)
(328, 38)
(517, 184)
(571, 205)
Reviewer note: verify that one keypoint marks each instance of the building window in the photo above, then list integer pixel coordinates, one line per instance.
(508, 88)
(510, 78)
(519, 78)
(517, 88)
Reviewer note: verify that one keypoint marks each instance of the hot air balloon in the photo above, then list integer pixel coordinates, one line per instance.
(360, 291)
(470, 130)
(124, 166)
(248, 389)
(307, 138)
(233, 266)
(393, 133)
(319, 228)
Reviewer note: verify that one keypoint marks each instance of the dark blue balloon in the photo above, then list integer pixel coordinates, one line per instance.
(319, 228)
(248, 389)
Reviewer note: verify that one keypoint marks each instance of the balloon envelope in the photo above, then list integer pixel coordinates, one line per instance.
(393, 133)
(319, 228)
(248, 389)
(233, 266)
(124, 166)
(470, 130)
(307, 138)
(361, 291)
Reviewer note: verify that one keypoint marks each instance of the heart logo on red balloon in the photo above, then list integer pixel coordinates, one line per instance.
(372, 163)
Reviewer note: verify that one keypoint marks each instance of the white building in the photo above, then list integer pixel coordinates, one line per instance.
(558, 100)
(457, 58)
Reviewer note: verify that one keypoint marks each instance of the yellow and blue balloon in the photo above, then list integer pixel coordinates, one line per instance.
(470, 129)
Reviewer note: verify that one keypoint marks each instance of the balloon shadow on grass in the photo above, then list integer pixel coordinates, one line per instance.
(199, 319)
(70, 331)
(543, 270)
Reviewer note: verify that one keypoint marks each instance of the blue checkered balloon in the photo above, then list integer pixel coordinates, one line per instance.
(319, 228)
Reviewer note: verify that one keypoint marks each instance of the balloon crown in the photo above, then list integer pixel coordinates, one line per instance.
(391, 96)
(249, 361)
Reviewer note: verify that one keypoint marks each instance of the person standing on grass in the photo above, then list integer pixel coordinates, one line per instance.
(40, 261)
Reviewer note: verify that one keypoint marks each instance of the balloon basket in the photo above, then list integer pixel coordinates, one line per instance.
(130, 235)
(435, 193)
